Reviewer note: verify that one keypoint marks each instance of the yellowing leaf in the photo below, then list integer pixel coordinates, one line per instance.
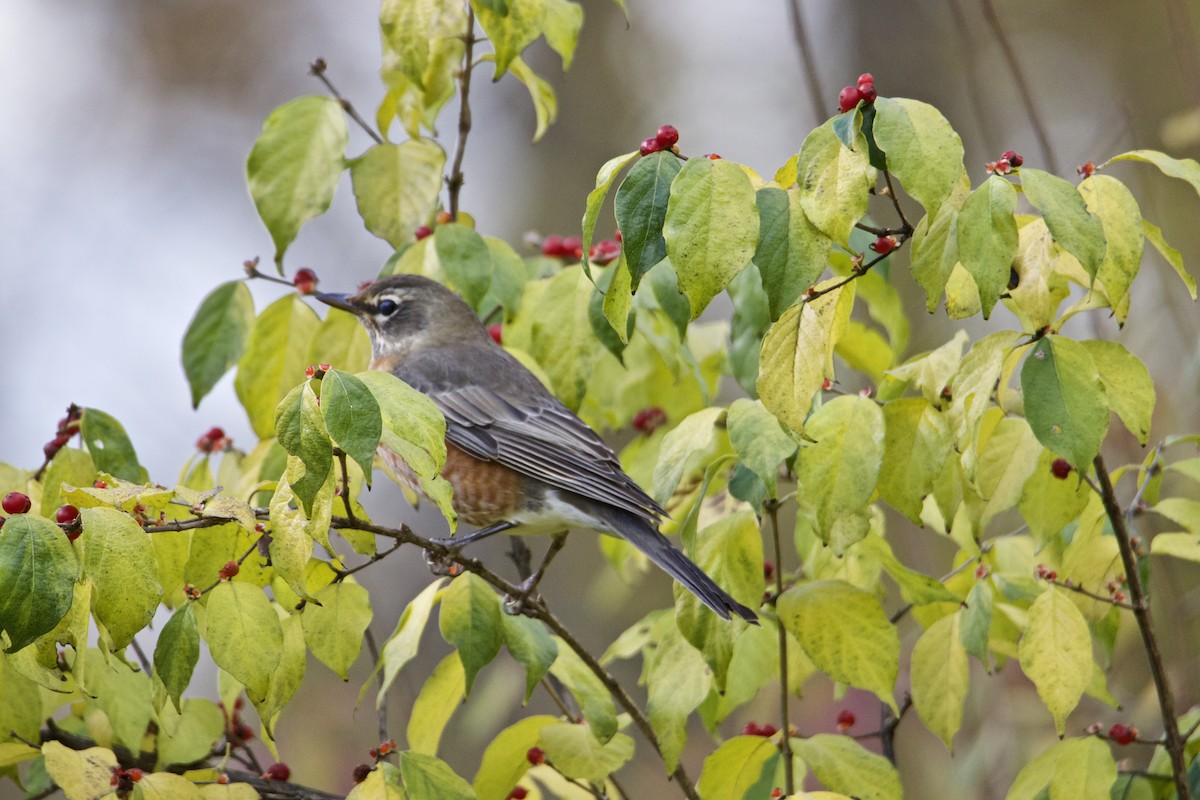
(1065, 401)
(510, 26)
(939, 677)
(576, 753)
(504, 760)
(736, 766)
(274, 360)
(440, 696)
(1056, 653)
(244, 635)
(843, 765)
(1080, 232)
(834, 181)
(922, 150)
(915, 446)
(470, 621)
(81, 774)
(334, 625)
(1128, 387)
(396, 187)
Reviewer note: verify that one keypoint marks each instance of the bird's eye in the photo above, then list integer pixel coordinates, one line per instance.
(388, 307)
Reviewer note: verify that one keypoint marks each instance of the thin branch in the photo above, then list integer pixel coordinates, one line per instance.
(1014, 66)
(317, 70)
(280, 790)
(1141, 611)
(245, 555)
(341, 457)
(454, 182)
(906, 229)
(373, 649)
(1074, 587)
(771, 506)
(887, 729)
(1151, 470)
(141, 655)
(187, 524)
(559, 701)
(807, 61)
(345, 573)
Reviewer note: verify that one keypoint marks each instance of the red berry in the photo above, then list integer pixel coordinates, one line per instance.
(1003, 166)
(213, 440)
(573, 247)
(1086, 169)
(1118, 597)
(518, 793)
(361, 772)
(604, 252)
(535, 755)
(768, 570)
(867, 90)
(845, 720)
(649, 419)
(884, 245)
(443, 217)
(1122, 734)
(866, 77)
(222, 779)
(51, 448)
(16, 503)
(324, 367)
(754, 729)
(981, 572)
(495, 331)
(228, 570)
(1060, 468)
(617, 235)
(552, 246)
(243, 732)
(305, 280)
(1012, 157)
(310, 371)
(98, 484)
(135, 774)
(776, 793)
(423, 231)
(713, 156)
(66, 515)
(849, 98)
(666, 137)
(277, 772)
(649, 146)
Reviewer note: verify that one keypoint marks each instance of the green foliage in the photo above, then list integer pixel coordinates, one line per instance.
(959, 440)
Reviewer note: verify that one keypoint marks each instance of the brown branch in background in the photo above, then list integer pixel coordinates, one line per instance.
(807, 61)
(975, 92)
(317, 70)
(341, 457)
(1014, 66)
(454, 182)
(887, 729)
(771, 506)
(381, 710)
(1183, 42)
(1141, 611)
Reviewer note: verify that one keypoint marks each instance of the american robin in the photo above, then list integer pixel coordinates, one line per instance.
(517, 458)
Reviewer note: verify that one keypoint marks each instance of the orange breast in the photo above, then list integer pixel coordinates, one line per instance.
(484, 492)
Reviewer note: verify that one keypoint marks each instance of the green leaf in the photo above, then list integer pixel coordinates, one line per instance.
(615, 308)
(677, 681)
(508, 278)
(531, 646)
(118, 558)
(1065, 401)
(429, 778)
(916, 445)
(504, 760)
(922, 150)
(576, 753)
(792, 252)
(109, 446)
(939, 677)
(413, 427)
(1048, 505)
(565, 349)
(1075, 769)
(295, 165)
(1128, 387)
(1056, 653)
(300, 428)
(440, 696)
(843, 765)
(396, 187)
(711, 227)
(274, 360)
(294, 531)
(1006, 462)
(352, 417)
(541, 92)
(987, 238)
(641, 208)
(1185, 169)
(177, 651)
(334, 626)
(839, 472)
(216, 336)
(1154, 235)
(759, 440)
(37, 578)
(465, 260)
(1117, 211)
(595, 201)
(797, 352)
(1079, 232)
(736, 767)
(510, 27)
(845, 632)
(287, 676)
(592, 696)
(935, 246)
(244, 635)
(976, 621)
(470, 622)
(696, 432)
(834, 182)
(404, 642)
(914, 587)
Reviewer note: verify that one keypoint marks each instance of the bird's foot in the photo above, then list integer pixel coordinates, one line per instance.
(442, 564)
(526, 597)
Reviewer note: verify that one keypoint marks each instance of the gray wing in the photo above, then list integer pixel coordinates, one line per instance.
(496, 410)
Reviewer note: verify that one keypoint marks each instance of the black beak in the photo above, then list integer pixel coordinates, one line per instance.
(341, 301)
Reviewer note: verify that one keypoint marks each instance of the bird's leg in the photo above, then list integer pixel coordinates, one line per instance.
(513, 605)
(455, 542)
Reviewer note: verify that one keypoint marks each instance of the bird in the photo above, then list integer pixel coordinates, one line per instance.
(519, 461)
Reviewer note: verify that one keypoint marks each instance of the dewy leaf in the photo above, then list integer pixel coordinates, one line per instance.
(837, 475)
(792, 253)
(470, 622)
(334, 625)
(177, 651)
(295, 165)
(216, 336)
(797, 353)
(274, 360)
(595, 201)
(1065, 401)
(987, 238)
(504, 761)
(759, 440)
(351, 417)
(244, 635)
(939, 677)
(922, 150)
(37, 578)
(834, 182)
(300, 428)
(843, 765)
(1154, 235)
(845, 632)
(1079, 232)
(109, 446)
(711, 227)
(1056, 653)
(1114, 206)
(1128, 387)
(510, 29)
(641, 208)
(396, 187)
(119, 559)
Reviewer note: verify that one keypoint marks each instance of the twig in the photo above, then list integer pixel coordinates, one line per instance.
(807, 61)
(245, 555)
(455, 180)
(317, 70)
(1074, 587)
(906, 229)
(141, 654)
(1153, 469)
(342, 574)
(559, 701)
(280, 790)
(341, 457)
(887, 729)
(187, 524)
(1141, 611)
(1014, 66)
(771, 506)
(373, 649)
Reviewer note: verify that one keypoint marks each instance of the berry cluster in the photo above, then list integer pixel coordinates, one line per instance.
(666, 138)
(754, 729)
(1045, 573)
(317, 370)
(1116, 588)
(1008, 161)
(237, 732)
(569, 247)
(648, 420)
(213, 441)
(851, 96)
(606, 251)
(68, 426)
(385, 748)
(305, 280)
(1087, 170)
(1123, 734)
(124, 779)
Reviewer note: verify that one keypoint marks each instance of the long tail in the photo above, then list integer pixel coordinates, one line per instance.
(642, 534)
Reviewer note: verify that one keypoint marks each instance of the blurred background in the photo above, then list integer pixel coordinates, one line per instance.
(123, 203)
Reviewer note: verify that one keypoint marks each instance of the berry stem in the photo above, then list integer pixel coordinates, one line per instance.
(454, 182)
(1141, 611)
(317, 70)
(771, 506)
